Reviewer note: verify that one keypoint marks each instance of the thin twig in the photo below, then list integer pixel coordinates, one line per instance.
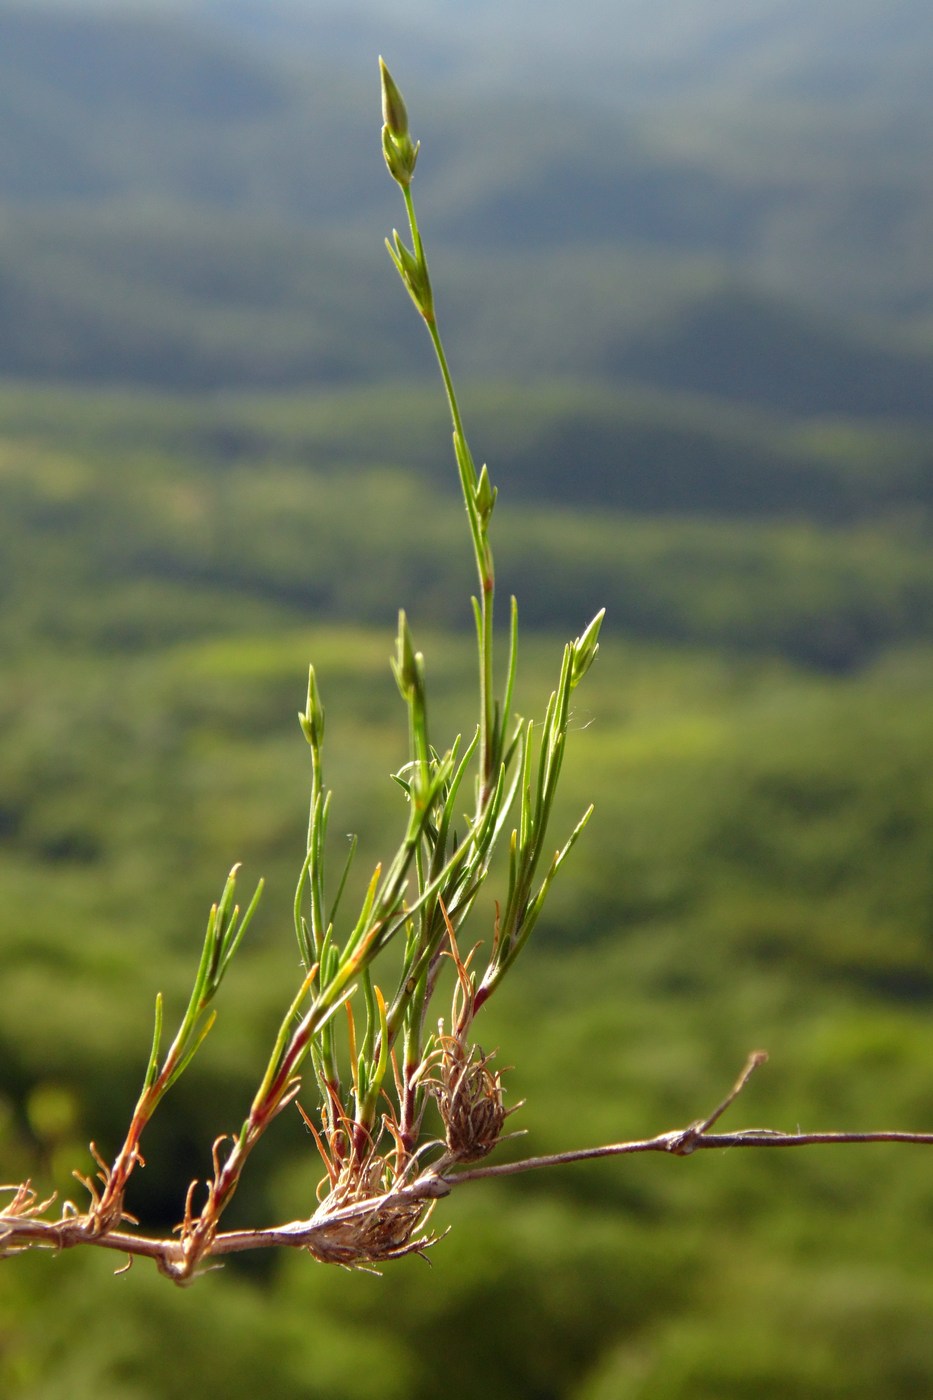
(682, 1142)
(67, 1234)
(18, 1232)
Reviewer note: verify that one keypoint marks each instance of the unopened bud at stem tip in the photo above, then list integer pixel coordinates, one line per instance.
(394, 112)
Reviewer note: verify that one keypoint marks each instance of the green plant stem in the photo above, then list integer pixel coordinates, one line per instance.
(479, 534)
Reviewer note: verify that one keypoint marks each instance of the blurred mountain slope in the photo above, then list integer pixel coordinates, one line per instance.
(125, 129)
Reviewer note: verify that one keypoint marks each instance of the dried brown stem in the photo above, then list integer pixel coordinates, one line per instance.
(20, 1229)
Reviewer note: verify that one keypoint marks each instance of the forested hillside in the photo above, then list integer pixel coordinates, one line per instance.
(179, 204)
(690, 525)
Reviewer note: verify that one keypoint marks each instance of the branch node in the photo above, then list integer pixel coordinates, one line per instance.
(682, 1142)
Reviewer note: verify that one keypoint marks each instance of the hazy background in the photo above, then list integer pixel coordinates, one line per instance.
(682, 260)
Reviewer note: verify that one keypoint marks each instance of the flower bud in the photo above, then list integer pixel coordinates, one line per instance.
(399, 150)
(394, 112)
(414, 273)
(485, 496)
(407, 664)
(585, 649)
(312, 720)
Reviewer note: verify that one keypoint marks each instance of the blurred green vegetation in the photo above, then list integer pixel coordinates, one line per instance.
(162, 518)
(758, 739)
(185, 207)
